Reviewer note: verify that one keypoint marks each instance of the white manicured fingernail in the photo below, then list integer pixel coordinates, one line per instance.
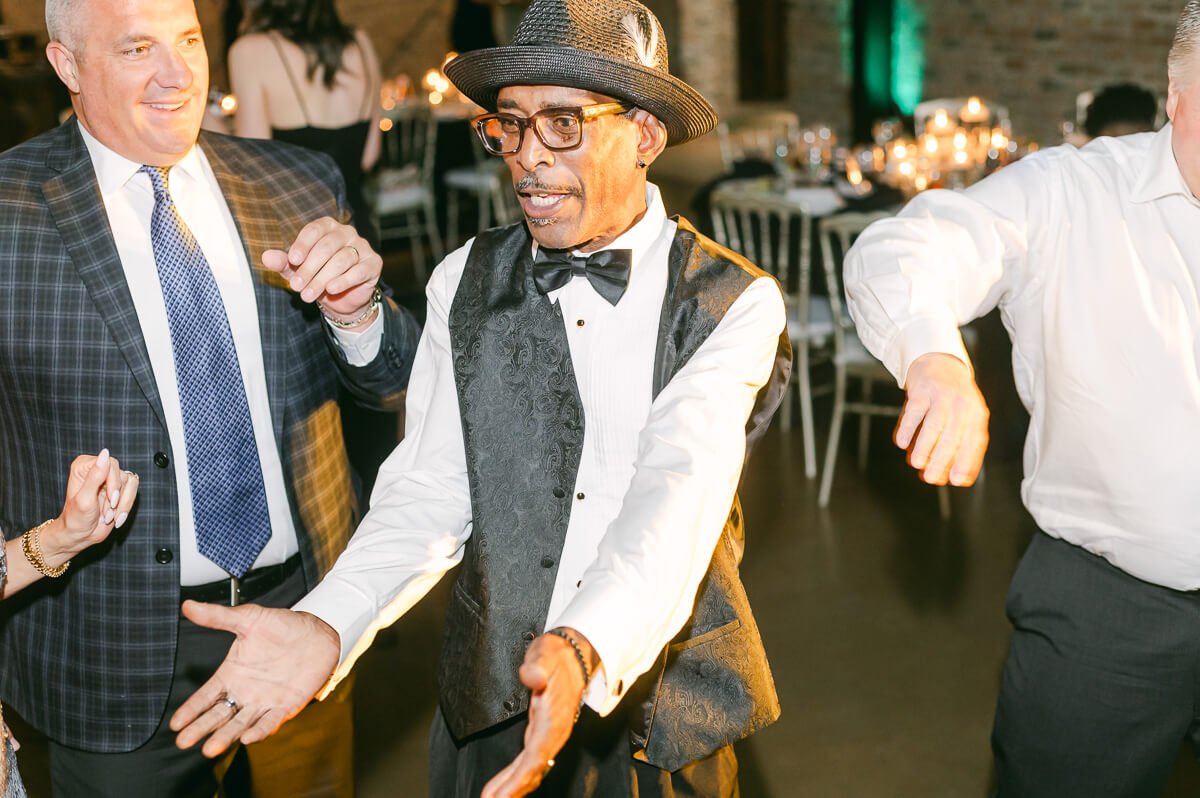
(102, 458)
(122, 518)
(115, 497)
(107, 518)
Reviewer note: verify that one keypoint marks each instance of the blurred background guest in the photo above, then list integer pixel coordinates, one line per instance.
(1121, 109)
(99, 498)
(303, 76)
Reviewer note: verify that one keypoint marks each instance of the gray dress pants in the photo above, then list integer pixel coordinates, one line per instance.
(1102, 682)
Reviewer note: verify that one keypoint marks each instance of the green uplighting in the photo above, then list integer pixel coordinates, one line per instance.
(908, 55)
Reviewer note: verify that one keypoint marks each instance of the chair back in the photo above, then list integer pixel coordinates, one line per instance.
(841, 231)
(410, 145)
(758, 135)
(773, 234)
(505, 206)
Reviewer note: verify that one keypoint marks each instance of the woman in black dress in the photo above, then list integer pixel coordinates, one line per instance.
(302, 76)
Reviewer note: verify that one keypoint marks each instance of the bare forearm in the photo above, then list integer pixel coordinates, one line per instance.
(21, 573)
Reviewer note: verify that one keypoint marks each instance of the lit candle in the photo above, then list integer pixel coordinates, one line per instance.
(974, 111)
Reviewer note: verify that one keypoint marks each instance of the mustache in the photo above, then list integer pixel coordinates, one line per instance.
(532, 183)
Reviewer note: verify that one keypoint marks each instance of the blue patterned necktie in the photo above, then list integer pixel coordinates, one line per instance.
(229, 502)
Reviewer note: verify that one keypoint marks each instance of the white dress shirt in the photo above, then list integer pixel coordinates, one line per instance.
(129, 202)
(1093, 257)
(655, 483)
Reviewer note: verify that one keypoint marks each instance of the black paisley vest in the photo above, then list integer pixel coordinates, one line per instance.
(523, 432)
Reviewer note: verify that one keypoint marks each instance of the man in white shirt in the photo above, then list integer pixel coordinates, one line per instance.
(581, 402)
(162, 294)
(1093, 257)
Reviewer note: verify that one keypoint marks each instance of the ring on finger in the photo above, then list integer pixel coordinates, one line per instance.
(546, 769)
(231, 703)
(357, 256)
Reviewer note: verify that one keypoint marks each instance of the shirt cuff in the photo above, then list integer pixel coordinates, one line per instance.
(359, 346)
(606, 688)
(350, 613)
(925, 336)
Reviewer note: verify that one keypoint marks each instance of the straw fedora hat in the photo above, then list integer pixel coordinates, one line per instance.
(612, 47)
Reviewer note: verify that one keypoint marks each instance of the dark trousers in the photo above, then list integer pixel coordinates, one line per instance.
(311, 755)
(1102, 682)
(596, 762)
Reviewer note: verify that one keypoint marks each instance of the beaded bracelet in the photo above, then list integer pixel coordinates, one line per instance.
(587, 677)
(31, 546)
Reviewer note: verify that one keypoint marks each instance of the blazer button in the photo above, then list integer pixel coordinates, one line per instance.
(559, 493)
(509, 706)
(528, 637)
(161, 460)
(547, 562)
(163, 556)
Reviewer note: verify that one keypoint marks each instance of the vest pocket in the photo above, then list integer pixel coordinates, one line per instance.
(700, 703)
(699, 640)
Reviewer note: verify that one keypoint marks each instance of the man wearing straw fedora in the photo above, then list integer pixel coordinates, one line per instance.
(581, 405)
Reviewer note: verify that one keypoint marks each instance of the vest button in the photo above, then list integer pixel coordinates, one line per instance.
(161, 460)
(580, 323)
(509, 706)
(528, 637)
(547, 562)
(163, 556)
(559, 493)
(580, 496)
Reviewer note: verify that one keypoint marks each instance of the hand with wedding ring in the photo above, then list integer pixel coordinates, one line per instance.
(330, 264)
(278, 662)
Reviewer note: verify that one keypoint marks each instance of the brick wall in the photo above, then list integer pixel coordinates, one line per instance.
(706, 47)
(1035, 56)
(818, 80)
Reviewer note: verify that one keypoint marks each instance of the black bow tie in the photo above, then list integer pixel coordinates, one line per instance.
(607, 270)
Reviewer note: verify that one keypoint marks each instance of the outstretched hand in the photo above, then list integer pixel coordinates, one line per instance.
(277, 663)
(330, 264)
(551, 672)
(945, 405)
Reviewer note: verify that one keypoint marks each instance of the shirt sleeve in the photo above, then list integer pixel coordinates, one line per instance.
(420, 513)
(359, 347)
(947, 258)
(641, 588)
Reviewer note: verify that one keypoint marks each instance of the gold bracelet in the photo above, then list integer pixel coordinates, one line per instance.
(31, 545)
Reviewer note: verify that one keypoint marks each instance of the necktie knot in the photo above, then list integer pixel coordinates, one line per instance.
(607, 270)
(158, 180)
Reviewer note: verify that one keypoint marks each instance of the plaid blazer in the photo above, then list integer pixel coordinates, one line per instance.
(88, 658)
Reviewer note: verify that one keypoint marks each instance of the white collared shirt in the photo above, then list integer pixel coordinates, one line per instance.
(129, 202)
(1093, 257)
(657, 476)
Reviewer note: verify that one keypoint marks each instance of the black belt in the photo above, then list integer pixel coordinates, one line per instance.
(252, 585)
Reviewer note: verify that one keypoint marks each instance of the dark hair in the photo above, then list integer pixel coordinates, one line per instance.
(1124, 102)
(314, 25)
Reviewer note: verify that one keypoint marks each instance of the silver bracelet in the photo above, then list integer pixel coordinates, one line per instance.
(372, 306)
